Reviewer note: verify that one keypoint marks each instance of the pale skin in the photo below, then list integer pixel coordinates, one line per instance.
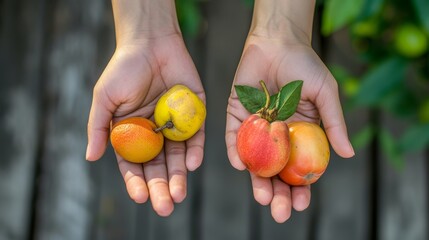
(278, 50)
(151, 57)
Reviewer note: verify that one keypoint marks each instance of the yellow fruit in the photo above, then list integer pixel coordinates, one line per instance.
(351, 86)
(181, 107)
(410, 41)
(134, 139)
(367, 28)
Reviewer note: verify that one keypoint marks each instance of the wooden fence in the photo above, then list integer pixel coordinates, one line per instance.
(51, 54)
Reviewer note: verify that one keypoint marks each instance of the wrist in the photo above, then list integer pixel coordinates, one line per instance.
(137, 20)
(290, 20)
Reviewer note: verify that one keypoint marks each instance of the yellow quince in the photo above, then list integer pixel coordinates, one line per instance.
(179, 113)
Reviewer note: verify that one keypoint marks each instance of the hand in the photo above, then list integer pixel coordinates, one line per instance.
(136, 76)
(278, 61)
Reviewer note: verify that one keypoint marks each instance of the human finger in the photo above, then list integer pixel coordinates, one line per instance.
(195, 150)
(155, 172)
(232, 126)
(134, 180)
(175, 157)
(98, 128)
(262, 189)
(281, 205)
(301, 196)
(329, 106)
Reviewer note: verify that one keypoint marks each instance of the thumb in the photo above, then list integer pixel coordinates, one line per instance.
(328, 104)
(100, 116)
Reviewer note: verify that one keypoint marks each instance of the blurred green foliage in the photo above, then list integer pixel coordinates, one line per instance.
(391, 40)
(189, 16)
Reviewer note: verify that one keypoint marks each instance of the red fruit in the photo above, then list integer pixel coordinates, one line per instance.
(263, 147)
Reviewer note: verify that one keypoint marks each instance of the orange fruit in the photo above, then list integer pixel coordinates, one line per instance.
(135, 140)
(309, 154)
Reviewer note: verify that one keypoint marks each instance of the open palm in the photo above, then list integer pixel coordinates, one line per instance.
(278, 62)
(135, 78)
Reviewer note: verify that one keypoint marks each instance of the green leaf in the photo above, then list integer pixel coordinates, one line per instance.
(320, 2)
(380, 81)
(340, 73)
(252, 98)
(422, 10)
(390, 148)
(370, 8)
(338, 13)
(249, 3)
(273, 100)
(189, 17)
(415, 138)
(288, 99)
(401, 101)
(363, 137)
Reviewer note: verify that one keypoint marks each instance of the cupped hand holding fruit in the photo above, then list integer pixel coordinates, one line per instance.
(130, 86)
(279, 62)
(179, 114)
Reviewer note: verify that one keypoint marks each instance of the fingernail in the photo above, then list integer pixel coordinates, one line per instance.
(87, 153)
(351, 149)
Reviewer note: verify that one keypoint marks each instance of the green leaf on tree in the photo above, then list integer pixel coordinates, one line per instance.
(380, 82)
(249, 3)
(371, 8)
(340, 73)
(401, 101)
(362, 138)
(288, 99)
(189, 16)
(252, 98)
(415, 138)
(338, 13)
(390, 148)
(422, 8)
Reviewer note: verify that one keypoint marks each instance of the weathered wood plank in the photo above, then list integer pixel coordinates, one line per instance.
(21, 36)
(53, 51)
(342, 192)
(114, 213)
(226, 193)
(343, 209)
(66, 190)
(402, 197)
(297, 227)
(403, 204)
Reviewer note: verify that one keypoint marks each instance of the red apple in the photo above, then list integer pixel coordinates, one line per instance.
(262, 146)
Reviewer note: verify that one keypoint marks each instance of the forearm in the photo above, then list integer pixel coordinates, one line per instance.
(142, 19)
(283, 18)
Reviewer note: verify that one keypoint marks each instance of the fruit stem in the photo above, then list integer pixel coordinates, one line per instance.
(267, 94)
(265, 112)
(168, 124)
